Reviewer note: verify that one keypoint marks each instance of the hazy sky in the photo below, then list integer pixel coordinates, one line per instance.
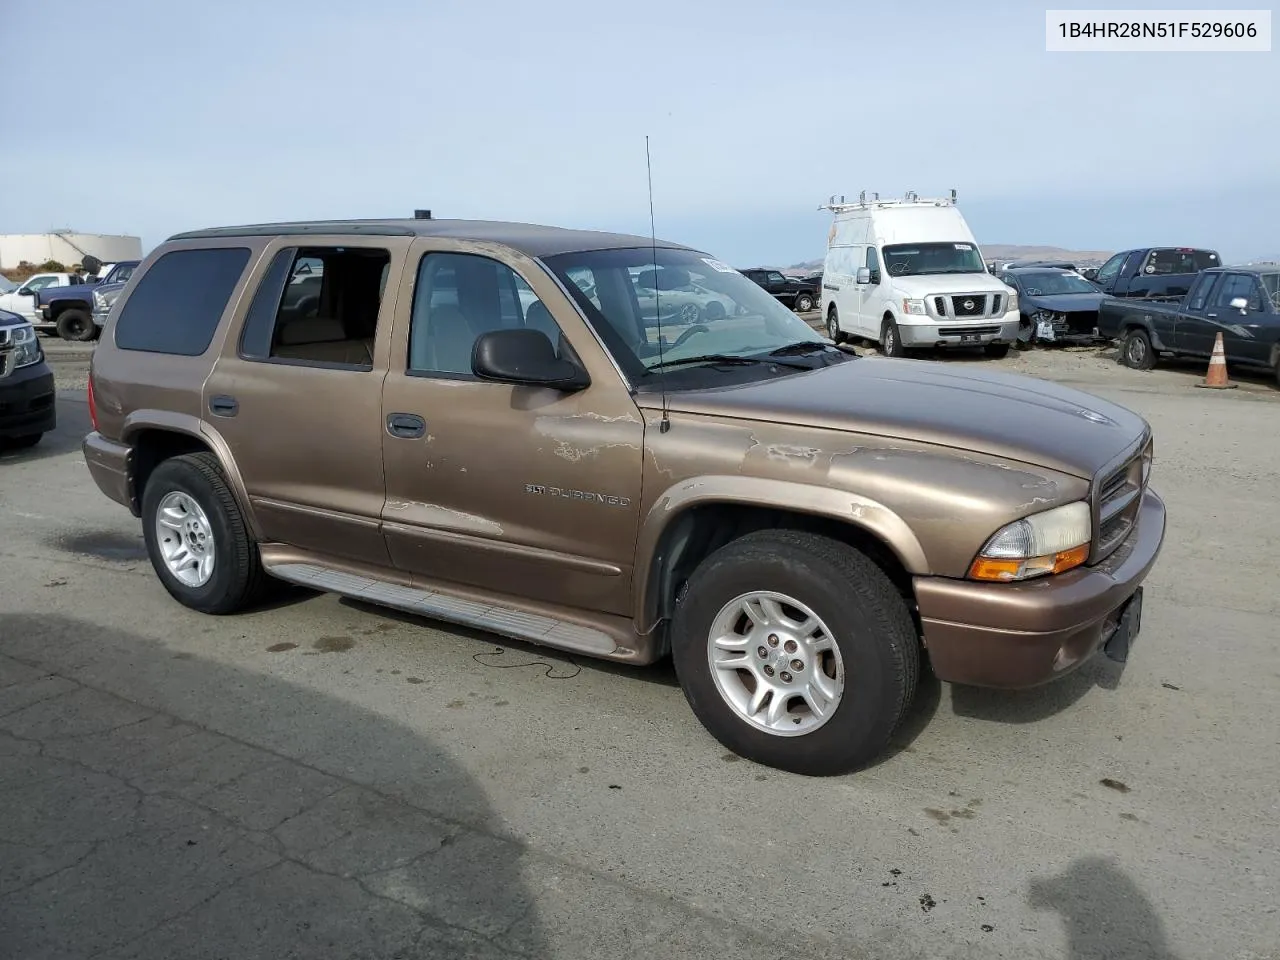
(198, 114)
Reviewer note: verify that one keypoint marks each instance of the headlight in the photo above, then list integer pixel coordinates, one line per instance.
(99, 301)
(1043, 543)
(914, 306)
(26, 347)
(1013, 302)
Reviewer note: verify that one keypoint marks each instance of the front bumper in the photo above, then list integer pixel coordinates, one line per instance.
(1023, 635)
(28, 401)
(932, 332)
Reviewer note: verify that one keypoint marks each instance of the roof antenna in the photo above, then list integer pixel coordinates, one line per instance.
(665, 424)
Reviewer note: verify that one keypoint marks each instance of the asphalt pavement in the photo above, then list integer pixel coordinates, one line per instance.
(325, 779)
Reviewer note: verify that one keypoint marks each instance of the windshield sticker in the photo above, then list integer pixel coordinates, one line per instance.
(964, 246)
(718, 266)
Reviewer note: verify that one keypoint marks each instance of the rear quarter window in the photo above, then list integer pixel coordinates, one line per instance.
(176, 305)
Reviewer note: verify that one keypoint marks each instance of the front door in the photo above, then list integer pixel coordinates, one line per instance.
(1198, 328)
(297, 394)
(530, 491)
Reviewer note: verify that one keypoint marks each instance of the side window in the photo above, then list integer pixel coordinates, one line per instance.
(177, 304)
(318, 305)
(776, 277)
(1111, 269)
(123, 274)
(458, 297)
(39, 283)
(1200, 291)
(1238, 285)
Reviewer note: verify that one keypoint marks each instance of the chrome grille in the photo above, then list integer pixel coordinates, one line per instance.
(969, 306)
(1116, 502)
(940, 304)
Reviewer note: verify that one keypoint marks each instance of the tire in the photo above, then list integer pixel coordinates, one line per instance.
(833, 326)
(891, 339)
(237, 578)
(1136, 351)
(804, 303)
(715, 310)
(996, 351)
(24, 442)
(76, 326)
(867, 620)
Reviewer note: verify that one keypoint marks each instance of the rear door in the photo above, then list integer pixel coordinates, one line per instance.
(297, 392)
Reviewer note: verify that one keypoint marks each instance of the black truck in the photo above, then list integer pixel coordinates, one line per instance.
(1241, 303)
(1153, 273)
(69, 309)
(800, 295)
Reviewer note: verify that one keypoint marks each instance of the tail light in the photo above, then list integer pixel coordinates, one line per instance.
(93, 407)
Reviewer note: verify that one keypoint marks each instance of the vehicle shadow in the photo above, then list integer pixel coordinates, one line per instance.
(1036, 703)
(1103, 911)
(200, 809)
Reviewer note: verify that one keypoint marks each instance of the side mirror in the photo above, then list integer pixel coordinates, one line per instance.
(1241, 304)
(525, 357)
(25, 292)
(863, 275)
(1090, 273)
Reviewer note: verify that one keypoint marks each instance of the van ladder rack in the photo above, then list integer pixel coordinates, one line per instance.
(911, 198)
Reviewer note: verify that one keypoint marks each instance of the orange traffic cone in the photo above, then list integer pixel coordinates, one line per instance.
(1216, 378)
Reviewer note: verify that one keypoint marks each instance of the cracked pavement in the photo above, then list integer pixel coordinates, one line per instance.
(320, 778)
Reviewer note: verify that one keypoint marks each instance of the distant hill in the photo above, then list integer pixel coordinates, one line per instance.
(995, 251)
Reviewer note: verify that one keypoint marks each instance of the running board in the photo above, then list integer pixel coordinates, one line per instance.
(495, 618)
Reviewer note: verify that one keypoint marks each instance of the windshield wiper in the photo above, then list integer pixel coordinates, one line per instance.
(726, 358)
(801, 347)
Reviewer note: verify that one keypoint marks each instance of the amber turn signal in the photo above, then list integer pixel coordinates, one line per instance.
(986, 568)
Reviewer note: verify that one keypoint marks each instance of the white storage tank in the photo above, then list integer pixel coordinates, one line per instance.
(68, 247)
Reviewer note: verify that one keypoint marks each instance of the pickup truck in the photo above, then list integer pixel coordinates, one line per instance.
(69, 309)
(21, 299)
(1153, 273)
(800, 295)
(1241, 303)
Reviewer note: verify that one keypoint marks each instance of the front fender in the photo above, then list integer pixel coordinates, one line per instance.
(822, 501)
(146, 419)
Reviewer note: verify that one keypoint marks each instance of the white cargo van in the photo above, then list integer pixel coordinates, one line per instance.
(907, 274)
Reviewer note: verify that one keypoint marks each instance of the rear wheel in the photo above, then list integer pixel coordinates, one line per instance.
(1136, 351)
(891, 339)
(833, 326)
(804, 303)
(795, 651)
(196, 536)
(76, 325)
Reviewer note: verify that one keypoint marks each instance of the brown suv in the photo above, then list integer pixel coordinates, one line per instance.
(473, 422)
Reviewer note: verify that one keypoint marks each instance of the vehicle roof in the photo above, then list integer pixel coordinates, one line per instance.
(532, 239)
(1254, 268)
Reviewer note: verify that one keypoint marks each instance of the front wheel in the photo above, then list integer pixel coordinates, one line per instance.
(76, 325)
(24, 442)
(795, 651)
(196, 536)
(1136, 351)
(804, 303)
(891, 340)
(996, 351)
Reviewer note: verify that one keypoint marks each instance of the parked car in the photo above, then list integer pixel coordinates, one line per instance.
(933, 290)
(1241, 303)
(799, 295)
(1055, 305)
(759, 505)
(677, 296)
(1154, 272)
(22, 299)
(27, 409)
(69, 310)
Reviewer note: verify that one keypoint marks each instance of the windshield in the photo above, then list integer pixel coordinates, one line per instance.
(1271, 284)
(658, 309)
(1052, 283)
(921, 259)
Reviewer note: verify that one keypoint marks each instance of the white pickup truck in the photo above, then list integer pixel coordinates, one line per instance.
(20, 298)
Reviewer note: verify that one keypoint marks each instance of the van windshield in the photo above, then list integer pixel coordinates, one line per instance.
(920, 259)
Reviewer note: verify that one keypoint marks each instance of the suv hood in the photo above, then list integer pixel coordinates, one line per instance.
(999, 414)
(929, 284)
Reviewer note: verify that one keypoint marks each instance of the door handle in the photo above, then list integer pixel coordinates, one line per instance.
(407, 426)
(224, 406)
(1212, 316)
